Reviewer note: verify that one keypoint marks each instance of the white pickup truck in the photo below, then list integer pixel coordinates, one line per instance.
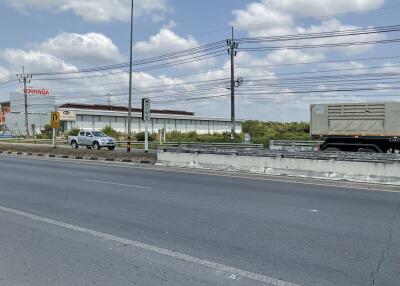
(92, 139)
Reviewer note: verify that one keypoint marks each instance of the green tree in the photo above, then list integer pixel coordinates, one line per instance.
(47, 132)
(109, 131)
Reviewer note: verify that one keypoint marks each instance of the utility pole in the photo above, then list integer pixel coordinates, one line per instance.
(232, 52)
(25, 78)
(130, 86)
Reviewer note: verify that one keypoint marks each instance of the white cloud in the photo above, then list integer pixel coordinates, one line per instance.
(96, 10)
(91, 48)
(390, 68)
(322, 8)
(167, 41)
(351, 67)
(336, 25)
(171, 24)
(277, 18)
(4, 73)
(35, 61)
(259, 15)
(286, 56)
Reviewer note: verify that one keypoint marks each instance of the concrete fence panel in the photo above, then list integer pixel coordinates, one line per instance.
(357, 171)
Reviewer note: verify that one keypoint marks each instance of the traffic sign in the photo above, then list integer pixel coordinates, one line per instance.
(55, 120)
(146, 110)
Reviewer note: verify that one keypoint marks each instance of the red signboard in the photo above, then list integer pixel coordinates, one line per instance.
(36, 91)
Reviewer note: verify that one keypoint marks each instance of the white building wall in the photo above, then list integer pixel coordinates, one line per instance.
(96, 120)
(39, 110)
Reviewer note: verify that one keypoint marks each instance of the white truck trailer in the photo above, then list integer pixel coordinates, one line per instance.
(357, 127)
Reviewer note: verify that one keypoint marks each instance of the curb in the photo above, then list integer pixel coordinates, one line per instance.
(30, 154)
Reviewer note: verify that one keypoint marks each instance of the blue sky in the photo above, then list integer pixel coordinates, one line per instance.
(43, 36)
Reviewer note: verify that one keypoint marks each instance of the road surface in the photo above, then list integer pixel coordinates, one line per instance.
(69, 223)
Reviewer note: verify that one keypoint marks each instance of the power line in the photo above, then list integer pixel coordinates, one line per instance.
(249, 67)
(318, 17)
(220, 53)
(331, 45)
(321, 62)
(205, 49)
(322, 35)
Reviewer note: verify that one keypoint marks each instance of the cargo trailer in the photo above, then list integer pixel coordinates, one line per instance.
(357, 127)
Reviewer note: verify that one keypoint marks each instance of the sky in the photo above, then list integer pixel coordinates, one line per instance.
(47, 36)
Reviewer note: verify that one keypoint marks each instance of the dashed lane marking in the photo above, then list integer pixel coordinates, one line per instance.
(119, 184)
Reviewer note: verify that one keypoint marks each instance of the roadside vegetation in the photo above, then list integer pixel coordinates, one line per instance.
(261, 133)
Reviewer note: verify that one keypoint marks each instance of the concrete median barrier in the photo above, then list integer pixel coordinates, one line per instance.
(369, 171)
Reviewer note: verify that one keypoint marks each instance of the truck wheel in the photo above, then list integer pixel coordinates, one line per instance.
(96, 146)
(332, 149)
(74, 145)
(111, 148)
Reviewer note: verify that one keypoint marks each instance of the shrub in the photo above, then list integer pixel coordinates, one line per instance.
(46, 133)
(193, 136)
(73, 132)
(108, 130)
(263, 132)
(141, 136)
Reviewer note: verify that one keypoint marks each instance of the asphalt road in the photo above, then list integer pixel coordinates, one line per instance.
(64, 223)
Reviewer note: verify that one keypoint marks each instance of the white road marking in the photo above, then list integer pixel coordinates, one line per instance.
(268, 178)
(119, 184)
(231, 271)
(314, 211)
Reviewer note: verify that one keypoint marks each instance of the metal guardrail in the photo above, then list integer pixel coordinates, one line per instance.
(220, 145)
(199, 147)
(340, 156)
(153, 144)
(290, 145)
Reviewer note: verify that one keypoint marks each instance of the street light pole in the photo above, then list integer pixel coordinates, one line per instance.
(130, 86)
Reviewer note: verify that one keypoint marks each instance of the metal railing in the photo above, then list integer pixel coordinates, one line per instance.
(209, 147)
(290, 145)
(221, 145)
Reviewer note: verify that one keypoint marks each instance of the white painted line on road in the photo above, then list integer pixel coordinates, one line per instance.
(176, 255)
(314, 211)
(119, 184)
